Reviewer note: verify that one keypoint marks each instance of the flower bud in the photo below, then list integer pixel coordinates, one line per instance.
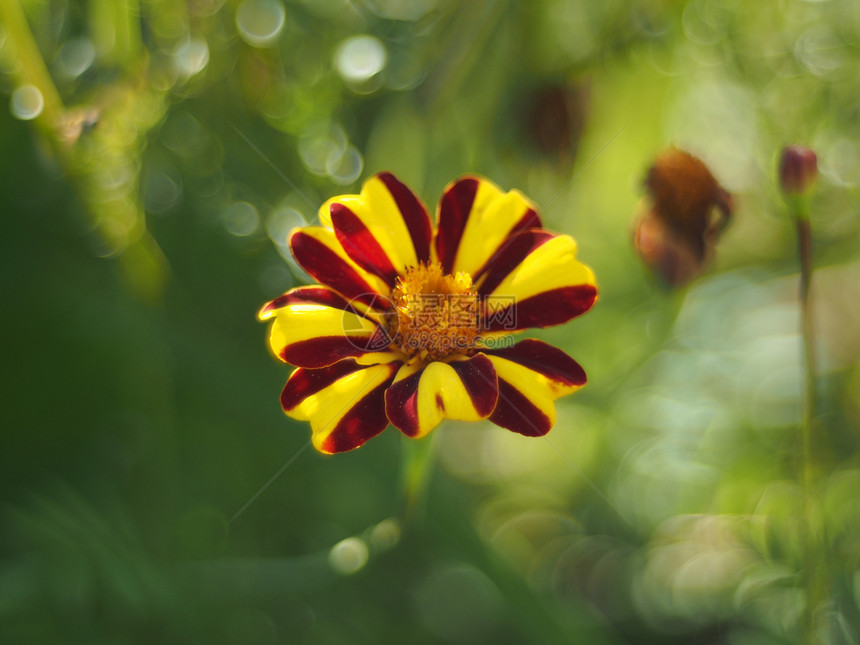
(798, 169)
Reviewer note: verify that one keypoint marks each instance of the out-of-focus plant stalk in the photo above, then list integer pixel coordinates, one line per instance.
(33, 70)
(115, 29)
(816, 585)
(797, 174)
(119, 219)
(804, 250)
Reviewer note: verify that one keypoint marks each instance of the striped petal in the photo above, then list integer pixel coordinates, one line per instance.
(318, 252)
(314, 327)
(344, 402)
(532, 375)
(419, 398)
(383, 230)
(516, 249)
(475, 219)
(548, 287)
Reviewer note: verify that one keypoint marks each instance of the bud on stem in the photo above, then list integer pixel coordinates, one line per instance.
(798, 170)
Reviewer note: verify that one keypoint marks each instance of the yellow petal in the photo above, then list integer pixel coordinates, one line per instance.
(314, 327)
(378, 211)
(493, 216)
(532, 375)
(552, 265)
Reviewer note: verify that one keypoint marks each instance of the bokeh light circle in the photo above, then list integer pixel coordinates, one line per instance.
(260, 21)
(347, 168)
(281, 221)
(241, 219)
(360, 58)
(192, 57)
(321, 147)
(27, 102)
(76, 57)
(348, 556)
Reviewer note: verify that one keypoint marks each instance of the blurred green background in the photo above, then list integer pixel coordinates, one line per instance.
(154, 156)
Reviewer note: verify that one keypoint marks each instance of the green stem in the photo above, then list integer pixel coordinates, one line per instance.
(804, 247)
(816, 590)
(32, 70)
(418, 458)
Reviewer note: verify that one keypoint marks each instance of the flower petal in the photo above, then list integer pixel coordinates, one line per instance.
(383, 230)
(549, 287)
(313, 294)
(475, 218)
(532, 375)
(314, 327)
(412, 210)
(516, 249)
(420, 398)
(344, 402)
(458, 201)
(318, 252)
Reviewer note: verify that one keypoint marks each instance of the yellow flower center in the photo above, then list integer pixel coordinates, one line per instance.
(436, 314)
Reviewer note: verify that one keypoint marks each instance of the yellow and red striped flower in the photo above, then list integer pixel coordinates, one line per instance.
(411, 324)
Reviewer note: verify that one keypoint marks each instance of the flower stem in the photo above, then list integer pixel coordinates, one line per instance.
(804, 248)
(816, 591)
(417, 463)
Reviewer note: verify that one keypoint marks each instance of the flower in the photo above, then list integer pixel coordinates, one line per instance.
(410, 324)
(687, 212)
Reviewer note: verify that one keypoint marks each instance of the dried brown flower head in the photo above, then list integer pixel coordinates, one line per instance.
(686, 212)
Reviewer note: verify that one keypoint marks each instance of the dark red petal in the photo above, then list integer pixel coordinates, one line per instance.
(543, 359)
(311, 294)
(305, 382)
(508, 257)
(479, 378)
(454, 209)
(414, 214)
(516, 413)
(360, 245)
(552, 307)
(401, 404)
(325, 350)
(529, 220)
(327, 267)
(365, 420)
